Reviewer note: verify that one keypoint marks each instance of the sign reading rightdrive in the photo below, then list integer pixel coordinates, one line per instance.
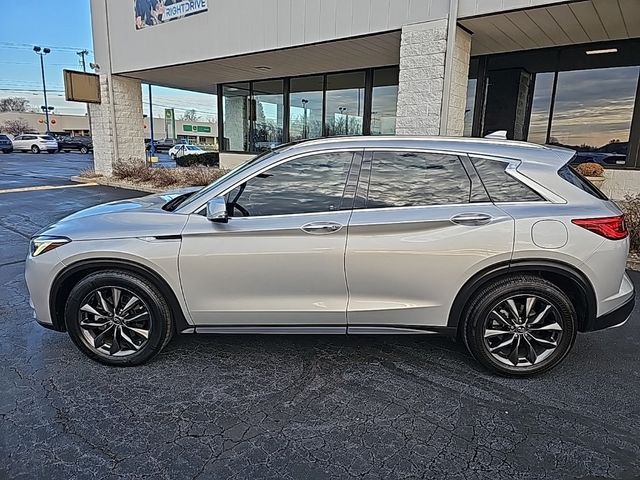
(154, 12)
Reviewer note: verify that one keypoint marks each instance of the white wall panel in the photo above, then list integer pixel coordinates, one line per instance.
(234, 27)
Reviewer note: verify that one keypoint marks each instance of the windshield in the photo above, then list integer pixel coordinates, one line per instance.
(236, 171)
(191, 147)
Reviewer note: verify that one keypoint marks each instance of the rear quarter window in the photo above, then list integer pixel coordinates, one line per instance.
(569, 174)
(501, 186)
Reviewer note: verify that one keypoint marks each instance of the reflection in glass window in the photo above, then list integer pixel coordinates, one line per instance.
(410, 179)
(345, 103)
(304, 185)
(269, 114)
(539, 120)
(593, 110)
(235, 116)
(305, 118)
(470, 106)
(384, 101)
(501, 186)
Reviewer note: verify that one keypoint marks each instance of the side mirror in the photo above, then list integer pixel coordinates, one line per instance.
(217, 210)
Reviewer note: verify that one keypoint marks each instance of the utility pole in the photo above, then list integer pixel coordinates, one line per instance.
(152, 146)
(82, 54)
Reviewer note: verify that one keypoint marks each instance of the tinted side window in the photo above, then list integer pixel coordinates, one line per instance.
(304, 185)
(570, 175)
(406, 179)
(501, 186)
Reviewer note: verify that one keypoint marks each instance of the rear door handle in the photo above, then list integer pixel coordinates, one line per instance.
(472, 219)
(321, 228)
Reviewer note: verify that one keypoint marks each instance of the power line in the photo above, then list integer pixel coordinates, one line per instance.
(30, 46)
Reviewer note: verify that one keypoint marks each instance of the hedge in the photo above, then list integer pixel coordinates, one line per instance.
(209, 159)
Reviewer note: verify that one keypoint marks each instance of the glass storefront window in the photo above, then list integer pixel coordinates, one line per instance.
(540, 106)
(305, 111)
(470, 106)
(345, 104)
(593, 110)
(268, 118)
(384, 100)
(235, 116)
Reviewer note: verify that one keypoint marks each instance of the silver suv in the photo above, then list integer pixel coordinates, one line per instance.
(499, 243)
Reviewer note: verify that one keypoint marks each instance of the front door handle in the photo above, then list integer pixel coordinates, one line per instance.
(472, 219)
(321, 228)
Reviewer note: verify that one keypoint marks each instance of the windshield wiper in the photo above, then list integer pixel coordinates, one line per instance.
(174, 203)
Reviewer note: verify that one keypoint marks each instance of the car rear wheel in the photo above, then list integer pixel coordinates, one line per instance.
(35, 149)
(118, 318)
(520, 326)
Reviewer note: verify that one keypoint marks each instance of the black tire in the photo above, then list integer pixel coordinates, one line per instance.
(84, 150)
(8, 150)
(481, 323)
(35, 149)
(52, 151)
(160, 318)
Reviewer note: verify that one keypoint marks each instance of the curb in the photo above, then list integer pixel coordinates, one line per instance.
(109, 182)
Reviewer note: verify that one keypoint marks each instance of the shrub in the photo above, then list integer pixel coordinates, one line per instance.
(209, 159)
(89, 173)
(161, 177)
(631, 208)
(590, 169)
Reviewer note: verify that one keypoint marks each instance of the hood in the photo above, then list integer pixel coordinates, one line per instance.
(134, 217)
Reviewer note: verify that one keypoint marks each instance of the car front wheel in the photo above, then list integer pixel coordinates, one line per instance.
(520, 326)
(118, 318)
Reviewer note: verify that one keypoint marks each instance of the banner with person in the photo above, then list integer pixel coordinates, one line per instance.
(154, 12)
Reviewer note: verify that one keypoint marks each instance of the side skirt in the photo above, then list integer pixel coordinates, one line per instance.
(322, 330)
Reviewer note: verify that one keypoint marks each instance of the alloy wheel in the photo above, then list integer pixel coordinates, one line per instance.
(522, 330)
(114, 321)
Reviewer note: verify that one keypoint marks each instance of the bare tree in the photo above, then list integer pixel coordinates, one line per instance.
(14, 104)
(190, 115)
(15, 127)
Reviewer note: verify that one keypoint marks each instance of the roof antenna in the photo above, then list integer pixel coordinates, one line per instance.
(501, 134)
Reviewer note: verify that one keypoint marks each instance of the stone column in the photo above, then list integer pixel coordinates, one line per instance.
(457, 102)
(116, 123)
(423, 53)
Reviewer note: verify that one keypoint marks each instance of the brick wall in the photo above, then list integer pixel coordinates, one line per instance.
(127, 122)
(422, 57)
(459, 80)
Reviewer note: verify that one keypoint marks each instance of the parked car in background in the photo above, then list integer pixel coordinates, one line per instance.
(35, 143)
(182, 149)
(6, 146)
(161, 145)
(501, 244)
(78, 143)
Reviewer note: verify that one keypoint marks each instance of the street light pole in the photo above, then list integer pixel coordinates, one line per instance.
(82, 54)
(152, 146)
(41, 52)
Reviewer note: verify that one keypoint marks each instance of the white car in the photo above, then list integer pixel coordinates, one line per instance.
(35, 143)
(498, 243)
(182, 149)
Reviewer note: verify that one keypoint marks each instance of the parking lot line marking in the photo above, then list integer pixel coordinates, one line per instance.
(46, 187)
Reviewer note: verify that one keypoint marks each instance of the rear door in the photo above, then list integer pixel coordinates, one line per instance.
(422, 226)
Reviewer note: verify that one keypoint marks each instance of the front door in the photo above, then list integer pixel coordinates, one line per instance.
(422, 229)
(279, 261)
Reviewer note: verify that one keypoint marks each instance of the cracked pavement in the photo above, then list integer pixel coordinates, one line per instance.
(291, 407)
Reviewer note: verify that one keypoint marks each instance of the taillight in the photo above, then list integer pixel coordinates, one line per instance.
(613, 228)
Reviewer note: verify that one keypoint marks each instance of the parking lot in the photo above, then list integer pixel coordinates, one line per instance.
(290, 407)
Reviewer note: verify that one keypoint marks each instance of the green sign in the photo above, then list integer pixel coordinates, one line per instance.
(169, 123)
(196, 128)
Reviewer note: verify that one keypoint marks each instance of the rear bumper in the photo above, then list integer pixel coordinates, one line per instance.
(614, 318)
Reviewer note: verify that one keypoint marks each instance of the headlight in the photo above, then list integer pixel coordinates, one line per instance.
(45, 243)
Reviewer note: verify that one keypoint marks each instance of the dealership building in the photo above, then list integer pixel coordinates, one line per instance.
(546, 71)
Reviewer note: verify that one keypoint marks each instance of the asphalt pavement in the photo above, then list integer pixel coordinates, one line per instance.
(290, 407)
